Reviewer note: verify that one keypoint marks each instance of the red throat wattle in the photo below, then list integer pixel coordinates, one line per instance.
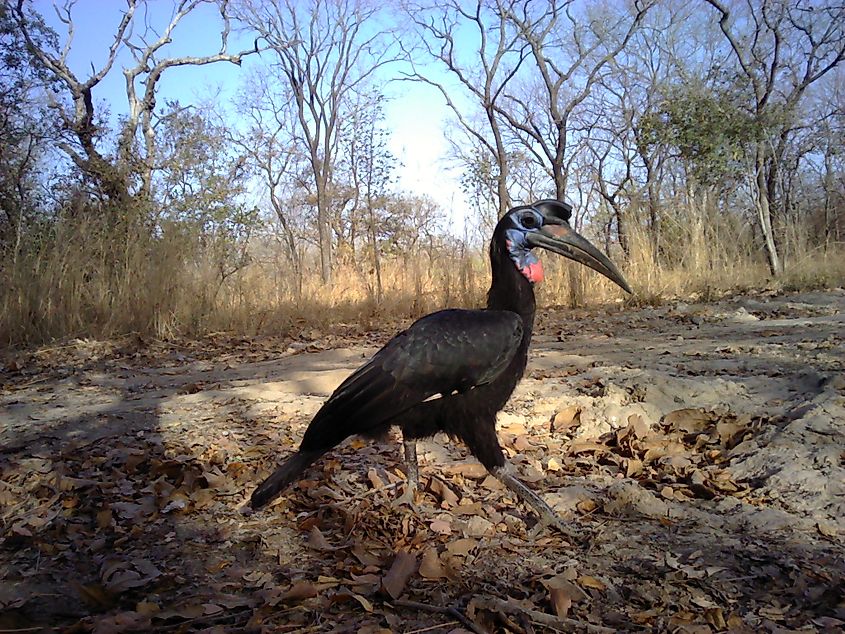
(533, 271)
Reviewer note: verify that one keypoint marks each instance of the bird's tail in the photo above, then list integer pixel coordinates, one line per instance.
(282, 477)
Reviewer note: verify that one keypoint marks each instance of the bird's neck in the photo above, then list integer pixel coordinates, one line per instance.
(510, 290)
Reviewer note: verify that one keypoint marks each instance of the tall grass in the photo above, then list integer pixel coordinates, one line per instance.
(78, 282)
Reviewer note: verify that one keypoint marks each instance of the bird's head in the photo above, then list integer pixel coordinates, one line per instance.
(545, 224)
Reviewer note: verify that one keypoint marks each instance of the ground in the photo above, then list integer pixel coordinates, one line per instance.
(696, 450)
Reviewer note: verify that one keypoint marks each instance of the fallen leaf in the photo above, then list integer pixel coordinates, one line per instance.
(586, 506)
(690, 420)
(104, 518)
(122, 622)
(365, 603)
(365, 579)
(586, 446)
(472, 470)
(633, 466)
(566, 418)
(492, 483)
(563, 593)
(731, 433)
(366, 557)
(147, 608)
(716, 618)
(95, 595)
(299, 591)
(202, 498)
(404, 565)
(462, 546)
(560, 601)
(639, 427)
(430, 565)
(374, 479)
(468, 509)
(522, 443)
(591, 582)
(258, 578)
(477, 526)
(317, 541)
(442, 491)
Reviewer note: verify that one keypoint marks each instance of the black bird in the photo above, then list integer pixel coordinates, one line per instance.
(453, 370)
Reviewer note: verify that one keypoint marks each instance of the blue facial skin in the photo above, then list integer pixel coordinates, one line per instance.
(519, 250)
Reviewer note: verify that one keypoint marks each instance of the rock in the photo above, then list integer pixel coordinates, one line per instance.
(627, 498)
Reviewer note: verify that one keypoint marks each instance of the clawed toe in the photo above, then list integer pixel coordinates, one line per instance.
(408, 498)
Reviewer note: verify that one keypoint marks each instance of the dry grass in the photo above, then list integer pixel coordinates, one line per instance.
(78, 283)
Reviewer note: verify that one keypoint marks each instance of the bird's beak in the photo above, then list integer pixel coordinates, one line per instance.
(558, 237)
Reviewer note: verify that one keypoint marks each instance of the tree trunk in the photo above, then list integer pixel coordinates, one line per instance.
(325, 244)
(764, 216)
(622, 229)
(653, 221)
(324, 231)
(502, 161)
(376, 258)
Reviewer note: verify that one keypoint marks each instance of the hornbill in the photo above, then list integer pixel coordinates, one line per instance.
(453, 370)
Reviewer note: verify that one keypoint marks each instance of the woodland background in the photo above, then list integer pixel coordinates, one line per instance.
(699, 141)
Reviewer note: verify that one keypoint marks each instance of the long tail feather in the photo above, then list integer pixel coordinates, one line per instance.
(282, 477)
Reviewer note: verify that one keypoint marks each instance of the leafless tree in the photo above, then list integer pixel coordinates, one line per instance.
(570, 51)
(115, 176)
(325, 51)
(268, 142)
(483, 75)
(781, 47)
(629, 165)
(369, 169)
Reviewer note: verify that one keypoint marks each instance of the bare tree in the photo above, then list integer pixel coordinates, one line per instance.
(498, 55)
(614, 188)
(781, 48)
(370, 172)
(326, 51)
(541, 118)
(115, 176)
(268, 142)
(629, 163)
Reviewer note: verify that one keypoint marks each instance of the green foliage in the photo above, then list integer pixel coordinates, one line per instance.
(708, 129)
(479, 183)
(24, 126)
(202, 182)
(201, 186)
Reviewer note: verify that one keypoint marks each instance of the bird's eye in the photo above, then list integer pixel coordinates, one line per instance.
(529, 221)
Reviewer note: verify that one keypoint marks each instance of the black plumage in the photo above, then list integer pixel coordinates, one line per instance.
(452, 370)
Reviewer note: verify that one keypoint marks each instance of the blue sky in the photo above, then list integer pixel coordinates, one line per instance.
(415, 114)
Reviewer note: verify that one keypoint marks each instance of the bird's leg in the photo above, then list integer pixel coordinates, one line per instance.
(411, 464)
(412, 473)
(547, 516)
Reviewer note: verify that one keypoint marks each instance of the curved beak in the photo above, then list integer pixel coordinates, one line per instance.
(558, 237)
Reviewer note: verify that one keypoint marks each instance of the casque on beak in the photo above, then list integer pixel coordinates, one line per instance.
(558, 237)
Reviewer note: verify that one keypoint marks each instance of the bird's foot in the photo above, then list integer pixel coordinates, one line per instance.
(552, 520)
(408, 497)
(412, 468)
(548, 518)
(413, 476)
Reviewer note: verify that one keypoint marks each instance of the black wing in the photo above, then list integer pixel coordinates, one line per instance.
(445, 352)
